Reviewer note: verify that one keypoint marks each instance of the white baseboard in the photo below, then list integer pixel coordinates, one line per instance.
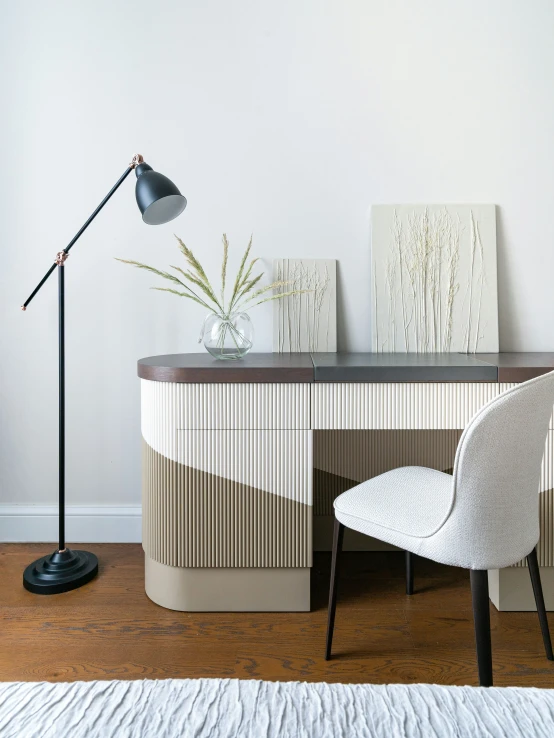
(90, 524)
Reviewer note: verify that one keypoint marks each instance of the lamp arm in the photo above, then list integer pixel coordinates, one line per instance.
(62, 255)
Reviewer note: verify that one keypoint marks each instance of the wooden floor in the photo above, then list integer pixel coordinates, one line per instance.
(109, 629)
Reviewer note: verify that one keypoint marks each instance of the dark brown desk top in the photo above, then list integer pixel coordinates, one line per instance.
(515, 366)
(205, 369)
(347, 367)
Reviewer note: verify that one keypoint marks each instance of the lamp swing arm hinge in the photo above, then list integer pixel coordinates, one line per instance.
(136, 160)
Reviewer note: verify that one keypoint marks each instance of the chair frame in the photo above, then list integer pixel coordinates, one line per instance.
(480, 599)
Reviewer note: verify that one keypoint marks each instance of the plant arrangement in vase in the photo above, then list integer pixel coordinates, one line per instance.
(227, 331)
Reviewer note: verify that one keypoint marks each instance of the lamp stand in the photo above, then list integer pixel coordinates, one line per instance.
(65, 569)
(159, 201)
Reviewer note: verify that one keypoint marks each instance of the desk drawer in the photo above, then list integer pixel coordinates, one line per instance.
(400, 405)
(380, 406)
(175, 406)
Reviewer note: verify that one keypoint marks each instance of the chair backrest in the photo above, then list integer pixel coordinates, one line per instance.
(494, 520)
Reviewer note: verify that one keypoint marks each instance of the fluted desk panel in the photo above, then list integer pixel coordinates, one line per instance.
(227, 486)
(242, 462)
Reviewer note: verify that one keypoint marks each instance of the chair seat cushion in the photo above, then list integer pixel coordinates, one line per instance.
(412, 501)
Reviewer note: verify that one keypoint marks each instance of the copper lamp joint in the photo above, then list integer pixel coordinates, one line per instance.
(61, 256)
(136, 160)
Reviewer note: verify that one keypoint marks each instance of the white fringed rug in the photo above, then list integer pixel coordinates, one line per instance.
(254, 709)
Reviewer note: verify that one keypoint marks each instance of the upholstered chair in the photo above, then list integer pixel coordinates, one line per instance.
(483, 516)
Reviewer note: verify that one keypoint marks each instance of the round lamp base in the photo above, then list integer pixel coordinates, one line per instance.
(60, 572)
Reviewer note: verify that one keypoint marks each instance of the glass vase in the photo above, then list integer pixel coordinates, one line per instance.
(227, 336)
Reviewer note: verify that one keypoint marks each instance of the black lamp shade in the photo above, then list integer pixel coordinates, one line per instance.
(158, 198)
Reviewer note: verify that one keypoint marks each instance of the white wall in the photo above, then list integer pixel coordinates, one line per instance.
(286, 119)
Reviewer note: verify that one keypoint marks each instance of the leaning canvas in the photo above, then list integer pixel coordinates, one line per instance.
(308, 321)
(434, 285)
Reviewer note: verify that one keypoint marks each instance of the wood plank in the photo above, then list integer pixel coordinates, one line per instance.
(451, 667)
(200, 629)
(109, 629)
(71, 659)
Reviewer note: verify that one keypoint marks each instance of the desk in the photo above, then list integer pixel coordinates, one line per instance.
(242, 461)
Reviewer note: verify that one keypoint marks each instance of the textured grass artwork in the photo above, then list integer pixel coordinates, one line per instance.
(434, 278)
(305, 320)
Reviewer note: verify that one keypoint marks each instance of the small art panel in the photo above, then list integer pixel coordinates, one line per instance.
(434, 278)
(307, 321)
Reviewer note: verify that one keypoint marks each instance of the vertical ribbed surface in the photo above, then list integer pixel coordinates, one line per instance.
(344, 458)
(546, 504)
(367, 406)
(195, 518)
(225, 406)
(228, 467)
(545, 549)
(278, 462)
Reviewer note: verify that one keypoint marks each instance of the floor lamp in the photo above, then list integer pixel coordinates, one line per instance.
(159, 201)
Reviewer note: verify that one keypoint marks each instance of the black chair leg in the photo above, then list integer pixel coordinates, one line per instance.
(409, 573)
(482, 621)
(338, 534)
(533, 565)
